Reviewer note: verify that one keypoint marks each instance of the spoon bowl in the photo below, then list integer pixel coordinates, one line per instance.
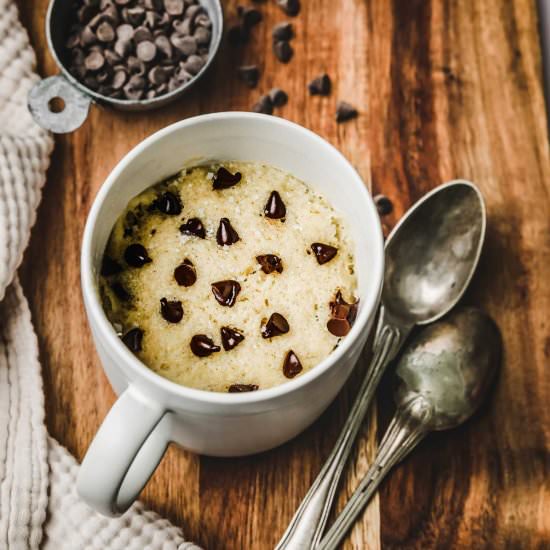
(431, 263)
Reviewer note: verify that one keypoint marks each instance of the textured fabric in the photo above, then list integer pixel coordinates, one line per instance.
(39, 507)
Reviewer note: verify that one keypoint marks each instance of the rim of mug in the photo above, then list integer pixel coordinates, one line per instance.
(123, 354)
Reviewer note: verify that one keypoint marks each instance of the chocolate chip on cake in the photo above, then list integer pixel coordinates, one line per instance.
(226, 292)
(323, 252)
(120, 292)
(169, 203)
(291, 365)
(240, 388)
(383, 205)
(290, 7)
(136, 255)
(263, 105)
(275, 207)
(230, 338)
(171, 310)
(283, 51)
(133, 339)
(345, 111)
(275, 326)
(278, 97)
(342, 315)
(202, 346)
(109, 266)
(185, 274)
(224, 179)
(226, 234)
(320, 85)
(282, 31)
(249, 74)
(193, 226)
(270, 263)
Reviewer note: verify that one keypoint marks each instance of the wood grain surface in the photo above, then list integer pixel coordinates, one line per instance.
(445, 89)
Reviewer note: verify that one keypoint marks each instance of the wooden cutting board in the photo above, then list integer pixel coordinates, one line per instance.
(445, 89)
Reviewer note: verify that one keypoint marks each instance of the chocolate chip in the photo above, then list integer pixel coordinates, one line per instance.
(120, 292)
(226, 292)
(142, 34)
(224, 179)
(133, 339)
(194, 64)
(275, 207)
(282, 31)
(320, 85)
(230, 338)
(105, 32)
(323, 252)
(187, 45)
(110, 267)
(135, 15)
(164, 46)
(134, 89)
(169, 203)
(136, 66)
(193, 226)
(171, 311)
(146, 51)
(202, 346)
(249, 74)
(338, 327)
(291, 365)
(123, 47)
(278, 97)
(226, 234)
(203, 36)
(157, 76)
(342, 315)
(290, 7)
(185, 274)
(263, 105)
(136, 255)
(238, 34)
(125, 32)
(275, 326)
(94, 61)
(283, 51)
(119, 79)
(174, 7)
(270, 263)
(240, 388)
(383, 205)
(345, 111)
(250, 17)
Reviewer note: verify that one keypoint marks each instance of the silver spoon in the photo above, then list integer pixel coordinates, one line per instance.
(431, 255)
(443, 378)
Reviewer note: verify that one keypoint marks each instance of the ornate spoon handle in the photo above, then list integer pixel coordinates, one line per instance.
(408, 427)
(306, 528)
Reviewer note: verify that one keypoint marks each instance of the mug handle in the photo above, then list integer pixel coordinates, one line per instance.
(125, 452)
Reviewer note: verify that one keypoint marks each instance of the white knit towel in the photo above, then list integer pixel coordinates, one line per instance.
(39, 507)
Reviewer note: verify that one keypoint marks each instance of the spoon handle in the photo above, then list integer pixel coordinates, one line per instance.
(407, 428)
(306, 528)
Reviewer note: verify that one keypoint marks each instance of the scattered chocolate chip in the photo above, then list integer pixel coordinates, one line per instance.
(263, 105)
(345, 112)
(383, 205)
(133, 339)
(193, 226)
(169, 203)
(238, 34)
(249, 74)
(283, 51)
(120, 292)
(226, 292)
(320, 85)
(275, 207)
(171, 310)
(250, 16)
(230, 338)
(226, 234)
(342, 315)
(202, 346)
(323, 252)
(270, 263)
(278, 97)
(282, 31)
(291, 365)
(185, 274)
(290, 7)
(275, 326)
(240, 388)
(136, 255)
(109, 266)
(224, 179)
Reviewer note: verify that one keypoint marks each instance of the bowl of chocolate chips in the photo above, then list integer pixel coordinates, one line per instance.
(127, 54)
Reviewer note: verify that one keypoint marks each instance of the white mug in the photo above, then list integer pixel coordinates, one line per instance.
(152, 411)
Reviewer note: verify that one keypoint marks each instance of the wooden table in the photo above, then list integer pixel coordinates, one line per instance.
(446, 89)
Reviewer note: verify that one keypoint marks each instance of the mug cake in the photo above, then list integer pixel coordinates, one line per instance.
(230, 277)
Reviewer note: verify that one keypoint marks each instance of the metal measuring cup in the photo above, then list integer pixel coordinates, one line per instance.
(76, 96)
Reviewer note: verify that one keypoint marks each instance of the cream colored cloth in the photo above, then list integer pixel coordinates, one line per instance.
(39, 507)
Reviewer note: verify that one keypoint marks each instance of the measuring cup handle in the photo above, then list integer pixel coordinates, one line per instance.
(74, 110)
